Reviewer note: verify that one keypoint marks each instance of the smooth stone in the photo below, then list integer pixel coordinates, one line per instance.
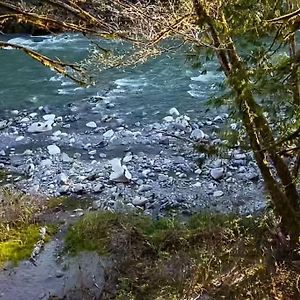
(92, 152)
(239, 162)
(77, 188)
(91, 124)
(98, 188)
(63, 178)
(2, 153)
(139, 201)
(197, 134)
(64, 189)
(198, 171)
(217, 173)
(168, 119)
(174, 111)
(3, 124)
(96, 204)
(49, 117)
(240, 156)
(57, 133)
(25, 120)
(120, 172)
(127, 158)
(218, 193)
(33, 115)
(46, 162)
(53, 149)
(144, 188)
(108, 134)
(39, 127)
(66, 158)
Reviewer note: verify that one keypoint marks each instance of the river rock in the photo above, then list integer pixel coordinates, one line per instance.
(53, 149)
(174, 111)
(64, 189)
(217, 173)
(91, 124)
(78, 188)
(39, 127)
(168, 119)
(240, 156)
(46, 162)
(98, 188)
(218, 193)
(49, 118)
(66, 158)
(3, 124)
(63, 178)
(144, 188)
(19, 138)
(120, 172)
(108, 134)
(197, 135)
(139, 201)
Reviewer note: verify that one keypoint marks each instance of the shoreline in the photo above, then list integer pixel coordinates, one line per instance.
(164, 169)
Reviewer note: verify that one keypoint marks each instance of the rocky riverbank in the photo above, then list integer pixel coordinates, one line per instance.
(71, 153)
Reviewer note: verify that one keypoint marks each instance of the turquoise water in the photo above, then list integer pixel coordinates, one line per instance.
(154, 87)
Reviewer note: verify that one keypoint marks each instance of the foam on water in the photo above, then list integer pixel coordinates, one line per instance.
(129, 82)
(57, 42)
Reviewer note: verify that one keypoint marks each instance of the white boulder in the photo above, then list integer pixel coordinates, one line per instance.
(53, 149)
(120, 172)
(39, 127)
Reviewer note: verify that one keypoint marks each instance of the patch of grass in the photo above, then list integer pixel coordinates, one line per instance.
(221, 256)
(67, 203)
(3, 174)
(17, 244)
(19, 230)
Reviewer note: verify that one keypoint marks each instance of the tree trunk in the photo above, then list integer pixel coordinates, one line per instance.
(280, 185)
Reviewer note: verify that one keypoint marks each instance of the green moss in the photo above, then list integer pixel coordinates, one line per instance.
(18, 244)
(68, 203)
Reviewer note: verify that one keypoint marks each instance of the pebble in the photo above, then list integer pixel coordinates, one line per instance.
(218, 194)
(53, 149)
(144, 188)
(46, 162)
(217, 173)
(49, 117)
(78, 188)
(108, 134)
(91, 124)
(139, 201)
(39, 127)
(197, 135)
(66, 158)
(3, 124)
(98, 188)
(174, 111)
(168, 119)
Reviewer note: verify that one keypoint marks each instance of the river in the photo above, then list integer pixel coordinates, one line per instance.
(147, 91)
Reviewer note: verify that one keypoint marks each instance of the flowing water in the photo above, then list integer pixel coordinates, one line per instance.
(146, 91)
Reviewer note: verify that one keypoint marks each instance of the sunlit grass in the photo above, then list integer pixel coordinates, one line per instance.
(222, 256)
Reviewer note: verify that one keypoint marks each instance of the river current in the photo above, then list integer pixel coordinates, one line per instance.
(147, 91)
